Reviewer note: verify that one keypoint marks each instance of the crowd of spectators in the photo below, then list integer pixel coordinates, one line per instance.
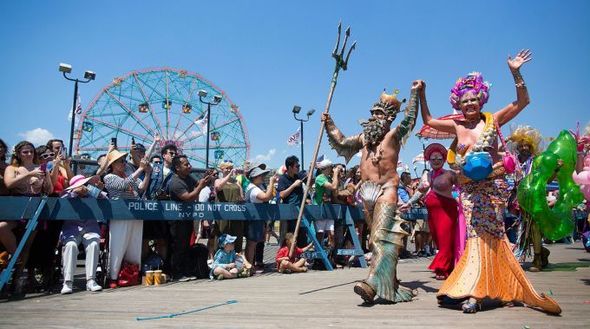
(133, 246)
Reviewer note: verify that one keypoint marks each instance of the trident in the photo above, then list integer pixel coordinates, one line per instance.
(341, 63)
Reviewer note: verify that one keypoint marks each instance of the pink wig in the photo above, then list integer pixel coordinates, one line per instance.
(472, 82)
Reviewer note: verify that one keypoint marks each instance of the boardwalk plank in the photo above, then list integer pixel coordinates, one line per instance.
(276, 300)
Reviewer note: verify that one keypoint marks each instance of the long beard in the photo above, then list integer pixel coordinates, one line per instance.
(374, 130)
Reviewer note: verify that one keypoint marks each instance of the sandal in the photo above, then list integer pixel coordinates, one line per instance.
(471, 308)
(366, 292)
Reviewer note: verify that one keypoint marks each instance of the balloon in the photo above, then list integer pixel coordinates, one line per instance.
(557, 222)
(583, 178)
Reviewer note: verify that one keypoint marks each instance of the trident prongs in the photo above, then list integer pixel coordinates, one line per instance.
(346, 36)
(345, 63)
(341, 61)
(335, 52)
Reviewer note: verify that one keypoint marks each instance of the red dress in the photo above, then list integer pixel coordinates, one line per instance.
(442, 221)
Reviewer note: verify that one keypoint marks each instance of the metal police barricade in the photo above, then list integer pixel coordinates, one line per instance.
(415, 213)
(33, 209)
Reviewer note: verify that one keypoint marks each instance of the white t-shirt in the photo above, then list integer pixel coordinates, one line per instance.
(204, 194)
(251, 192)
(166, 171)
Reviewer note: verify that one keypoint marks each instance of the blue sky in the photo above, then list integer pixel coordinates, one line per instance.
(270, 55)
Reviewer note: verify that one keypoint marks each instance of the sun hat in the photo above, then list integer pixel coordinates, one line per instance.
(77, 181)
(255, 172)
(113, 156)
(325, 163)
(255, 165)
(435, 147)
(226, 239)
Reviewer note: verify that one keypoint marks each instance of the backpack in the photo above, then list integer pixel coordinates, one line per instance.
(197, 261)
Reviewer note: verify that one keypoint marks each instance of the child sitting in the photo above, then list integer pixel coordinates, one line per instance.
(295, 263)
(226, 263)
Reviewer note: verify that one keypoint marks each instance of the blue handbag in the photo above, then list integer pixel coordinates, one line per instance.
(477, 166)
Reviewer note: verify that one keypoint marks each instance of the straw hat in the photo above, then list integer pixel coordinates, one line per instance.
(113, 156)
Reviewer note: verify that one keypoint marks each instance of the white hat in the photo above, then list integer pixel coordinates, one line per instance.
(325, 163)
(257, 171)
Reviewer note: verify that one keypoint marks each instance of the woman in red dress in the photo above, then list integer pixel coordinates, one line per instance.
(442, 209)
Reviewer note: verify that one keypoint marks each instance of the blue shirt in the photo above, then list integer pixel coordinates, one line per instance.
(221, 259)
(403, 194)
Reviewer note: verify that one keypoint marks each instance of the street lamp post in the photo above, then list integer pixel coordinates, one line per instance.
(296, 110)
(216, 100)
(88, 76)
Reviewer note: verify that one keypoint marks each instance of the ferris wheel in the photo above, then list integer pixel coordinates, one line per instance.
(163, 102)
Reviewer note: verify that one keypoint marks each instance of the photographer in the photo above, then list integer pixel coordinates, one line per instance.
(158, 230)
(183, 188)
(290, 189)
(228, 190)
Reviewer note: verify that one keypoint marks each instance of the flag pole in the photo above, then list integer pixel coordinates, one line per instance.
(341, 63)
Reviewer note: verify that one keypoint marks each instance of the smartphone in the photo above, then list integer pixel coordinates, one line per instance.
(43, 167)
(114, 141)
(64, 152)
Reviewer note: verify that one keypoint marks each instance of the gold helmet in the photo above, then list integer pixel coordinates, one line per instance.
(389, 104)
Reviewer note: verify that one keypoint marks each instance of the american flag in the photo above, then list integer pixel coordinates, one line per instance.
(78, 104)
(294, 139)
(201, 123)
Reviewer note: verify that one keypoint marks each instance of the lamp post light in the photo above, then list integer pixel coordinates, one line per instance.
(216, 100)
(296, 110)
(88, 76)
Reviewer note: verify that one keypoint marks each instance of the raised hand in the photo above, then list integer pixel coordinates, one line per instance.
(522, 57)
(418, 84)
(145, 165)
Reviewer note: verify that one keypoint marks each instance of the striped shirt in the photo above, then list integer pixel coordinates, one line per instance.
(121, 188)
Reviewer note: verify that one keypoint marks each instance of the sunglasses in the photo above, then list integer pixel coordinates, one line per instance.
(47, 155)
(434, 159)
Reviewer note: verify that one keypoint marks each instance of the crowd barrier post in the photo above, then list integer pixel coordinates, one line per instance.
(31, 225)
(349, 213)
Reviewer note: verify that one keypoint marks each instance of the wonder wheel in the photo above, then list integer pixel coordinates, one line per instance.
(164, 102)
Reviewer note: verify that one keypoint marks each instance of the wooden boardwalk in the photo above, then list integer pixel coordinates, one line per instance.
(316, 299)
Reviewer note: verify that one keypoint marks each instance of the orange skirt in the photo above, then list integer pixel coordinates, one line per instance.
(488, 269)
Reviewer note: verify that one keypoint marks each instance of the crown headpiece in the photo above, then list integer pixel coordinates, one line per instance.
(389, 104)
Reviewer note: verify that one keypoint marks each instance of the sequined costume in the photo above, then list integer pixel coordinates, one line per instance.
(488, 268)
